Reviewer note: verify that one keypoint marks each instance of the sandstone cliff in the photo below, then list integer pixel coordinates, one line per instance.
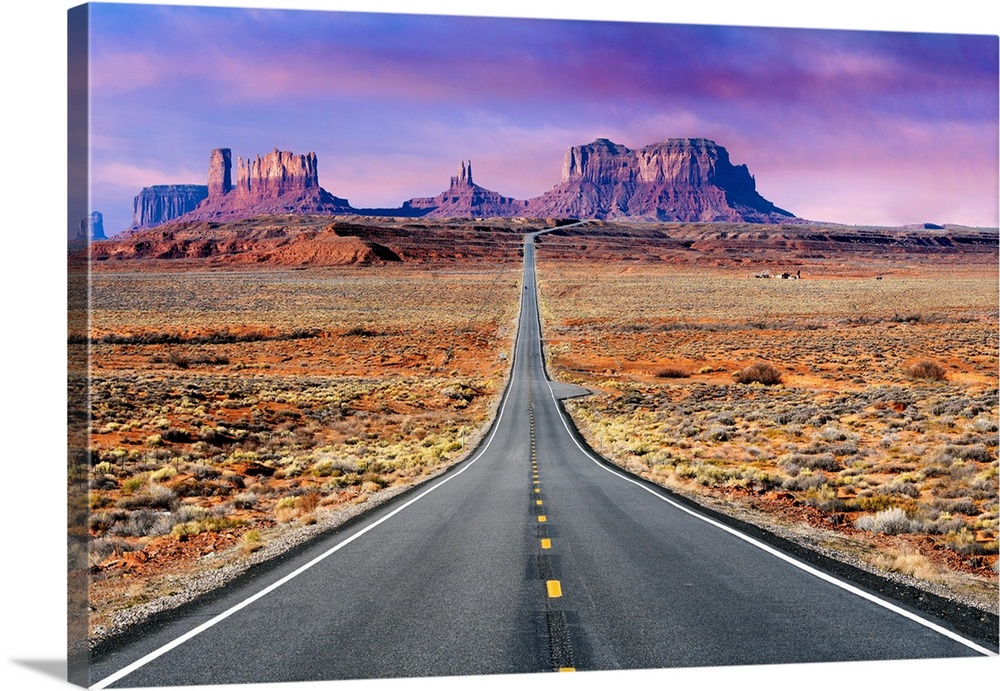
(687, 180)
(275, 174)
(277, 183)
(158, 204)
(220, 173)
(465, 199)
(92, 227)
(673, 180)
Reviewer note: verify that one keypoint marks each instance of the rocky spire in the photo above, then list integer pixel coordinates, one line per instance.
(220, 173)
(464, 177)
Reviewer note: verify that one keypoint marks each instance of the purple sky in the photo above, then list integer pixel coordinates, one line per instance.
(864, 127)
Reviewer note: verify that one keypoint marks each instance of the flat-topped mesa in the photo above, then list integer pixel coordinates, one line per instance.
(673, 180)
(159, 204)
(279, 182)
(92, 227)
(681, 162)
(263, 177)
(600, 161)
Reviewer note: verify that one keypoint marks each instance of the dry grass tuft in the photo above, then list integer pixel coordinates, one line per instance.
(910, 563)
(671, 373)
(758, 373)
(926, 370)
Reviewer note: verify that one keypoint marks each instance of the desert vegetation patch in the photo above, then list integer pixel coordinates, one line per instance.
(231, 408)
(856, 406)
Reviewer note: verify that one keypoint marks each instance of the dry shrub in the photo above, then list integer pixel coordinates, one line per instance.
(758, 373)
(909, 563)
(671, 373)
(927, 370)
(892, 521)
(252, 541)
(309, 501)
(962, 541)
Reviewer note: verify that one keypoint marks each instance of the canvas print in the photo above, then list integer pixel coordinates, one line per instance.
(411, 346)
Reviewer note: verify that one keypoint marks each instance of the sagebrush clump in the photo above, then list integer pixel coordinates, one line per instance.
(926, 370)
(758, 373)
(892, 521)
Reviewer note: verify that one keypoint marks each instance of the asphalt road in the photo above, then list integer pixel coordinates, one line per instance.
(531, 556)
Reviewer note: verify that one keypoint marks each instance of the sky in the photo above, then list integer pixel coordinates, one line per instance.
(34, 289)
(861, 127)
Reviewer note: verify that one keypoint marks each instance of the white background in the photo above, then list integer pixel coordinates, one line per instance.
(32, 459)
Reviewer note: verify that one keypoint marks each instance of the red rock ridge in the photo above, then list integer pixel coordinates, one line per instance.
(278, 182)
(673, 180)
(466, 199)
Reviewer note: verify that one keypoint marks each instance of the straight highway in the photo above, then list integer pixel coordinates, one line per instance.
(531, 556)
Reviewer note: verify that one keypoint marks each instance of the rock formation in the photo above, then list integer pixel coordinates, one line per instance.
(92, 227)
(674, 180)
(277, 183)
(685, 180)
(262, 240)
(158, 204)
(277, 173)
(465, 199)
(220, 173)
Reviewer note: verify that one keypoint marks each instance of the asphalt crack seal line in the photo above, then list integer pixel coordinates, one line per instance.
(560, 649)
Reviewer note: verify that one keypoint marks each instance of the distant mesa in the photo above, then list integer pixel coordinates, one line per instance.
(465, 199)
(685, 180)
(92, 226)
(278, 182)
(682, 180)
(158, 204)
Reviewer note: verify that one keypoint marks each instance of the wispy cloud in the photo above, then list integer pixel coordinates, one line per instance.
(387, 99)
(128, 176)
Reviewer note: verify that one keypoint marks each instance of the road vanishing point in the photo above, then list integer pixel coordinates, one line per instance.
(533, 555)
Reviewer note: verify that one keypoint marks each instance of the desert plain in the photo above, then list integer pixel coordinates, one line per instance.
(242, 402)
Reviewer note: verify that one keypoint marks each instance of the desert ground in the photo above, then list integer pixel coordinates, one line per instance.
(853, 409)
(249, 392)
(232, 409)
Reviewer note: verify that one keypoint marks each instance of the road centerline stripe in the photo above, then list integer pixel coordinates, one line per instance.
(604, 465)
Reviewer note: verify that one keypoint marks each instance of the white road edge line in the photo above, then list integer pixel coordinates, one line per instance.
(771, 550)
(162, 650)
(746, 538)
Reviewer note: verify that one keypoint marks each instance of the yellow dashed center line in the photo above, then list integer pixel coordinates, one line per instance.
(546, 543)
(541, 519)
(555, 590)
